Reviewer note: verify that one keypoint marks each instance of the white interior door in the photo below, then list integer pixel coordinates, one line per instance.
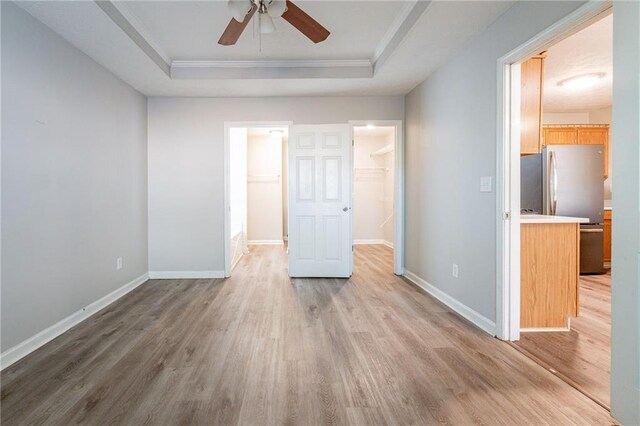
(320, 201)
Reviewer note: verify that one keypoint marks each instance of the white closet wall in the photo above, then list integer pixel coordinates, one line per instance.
(372, 190)
(389, 161)
(238, 191)
(264, 178)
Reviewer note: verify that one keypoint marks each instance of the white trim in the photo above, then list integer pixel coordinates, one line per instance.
(387, 243)
(126, 12)
(399, 28)
(24, 348)
(399, 193)
(311, 63)
(463, 310)
(508, 165)
(227, 180)
(265, 242)
(176, 275)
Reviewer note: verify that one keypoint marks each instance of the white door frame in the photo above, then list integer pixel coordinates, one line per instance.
(398, 208)
(508, 162)
(227, 180)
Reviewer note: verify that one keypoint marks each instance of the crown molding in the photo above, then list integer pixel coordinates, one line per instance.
(199, 70)
(127, 27)
(400, 27)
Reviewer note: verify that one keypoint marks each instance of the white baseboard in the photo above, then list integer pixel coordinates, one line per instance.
(23, 349)
(265, 242)
(369, 241)
(387, 243)
(176, 275)
(463, 310)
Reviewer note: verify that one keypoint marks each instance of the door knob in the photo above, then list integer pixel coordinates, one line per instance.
(345, 209)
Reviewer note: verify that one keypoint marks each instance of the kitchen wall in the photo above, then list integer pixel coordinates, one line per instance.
(186, 163)
(264, 192)
(74, 179)
(450, 143)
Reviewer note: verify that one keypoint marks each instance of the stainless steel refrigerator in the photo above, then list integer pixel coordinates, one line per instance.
(567, 180)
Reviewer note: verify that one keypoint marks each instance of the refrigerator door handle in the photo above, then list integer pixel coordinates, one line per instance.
(552, 182)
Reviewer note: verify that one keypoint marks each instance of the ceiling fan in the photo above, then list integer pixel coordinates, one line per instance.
(243, 11)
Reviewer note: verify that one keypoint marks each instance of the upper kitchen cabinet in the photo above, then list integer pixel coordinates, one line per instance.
(559, 136)
(574, 134)
(531, 78)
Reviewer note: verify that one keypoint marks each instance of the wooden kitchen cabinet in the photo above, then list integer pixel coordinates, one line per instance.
(531, 80)
(574, 134)
(559, 136)
(607, 236)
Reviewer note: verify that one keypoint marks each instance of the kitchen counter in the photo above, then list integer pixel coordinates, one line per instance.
(550, 271)
(541, 218)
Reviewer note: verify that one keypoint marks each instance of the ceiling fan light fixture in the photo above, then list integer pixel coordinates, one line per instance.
(266, 24)
(581, 81)
(239, 9)
(276, 8)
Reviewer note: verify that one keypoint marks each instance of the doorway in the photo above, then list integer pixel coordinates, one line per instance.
(239, 235)
(373, 190)
(255, 187)
(554, 286)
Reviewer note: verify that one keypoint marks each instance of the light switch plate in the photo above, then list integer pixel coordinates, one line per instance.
(485, 184)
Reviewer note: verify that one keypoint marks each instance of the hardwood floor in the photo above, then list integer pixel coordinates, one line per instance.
(259, 348)
(581, 356)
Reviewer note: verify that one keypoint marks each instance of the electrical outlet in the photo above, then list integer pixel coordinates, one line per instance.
(119, 263)
(485, 184)
(454, 270)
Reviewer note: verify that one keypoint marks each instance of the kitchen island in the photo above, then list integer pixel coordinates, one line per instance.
(549, 271)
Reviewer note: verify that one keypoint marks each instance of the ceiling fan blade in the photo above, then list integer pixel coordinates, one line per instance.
(233, 31)
(305, 23)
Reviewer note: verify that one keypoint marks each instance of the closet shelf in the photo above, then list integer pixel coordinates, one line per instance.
(384, 150)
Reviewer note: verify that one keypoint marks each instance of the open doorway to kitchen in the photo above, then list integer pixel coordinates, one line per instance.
(557, 301)
(256, 188)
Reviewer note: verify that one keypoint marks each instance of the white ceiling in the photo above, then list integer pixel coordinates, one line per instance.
(188, 31)
(587, 51)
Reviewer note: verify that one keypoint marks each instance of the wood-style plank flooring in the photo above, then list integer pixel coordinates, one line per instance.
(581, 356)
(260, 348)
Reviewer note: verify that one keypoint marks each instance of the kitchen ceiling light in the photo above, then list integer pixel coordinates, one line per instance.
(582, 81)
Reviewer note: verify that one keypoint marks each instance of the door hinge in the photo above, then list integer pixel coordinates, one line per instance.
(353, 142)
(506, 215)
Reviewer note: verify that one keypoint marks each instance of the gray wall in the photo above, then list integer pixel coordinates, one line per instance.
(450, 143)
(625, 329)
(74, 179)
(186, 160)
